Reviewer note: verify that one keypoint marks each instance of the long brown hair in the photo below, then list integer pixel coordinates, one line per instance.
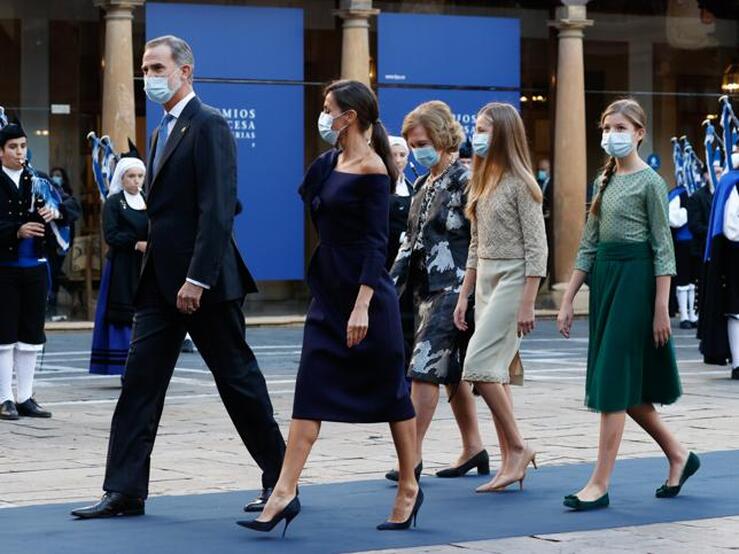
(353, 95)
(508, 153)
(631, 110)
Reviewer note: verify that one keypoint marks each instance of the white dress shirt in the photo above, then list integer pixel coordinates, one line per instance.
(14, 174)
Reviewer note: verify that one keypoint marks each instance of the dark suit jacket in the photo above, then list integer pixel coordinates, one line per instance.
(191, 200)
(699, 213)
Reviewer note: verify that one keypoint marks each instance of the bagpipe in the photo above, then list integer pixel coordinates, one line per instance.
(688, 167)
(44, 193)
(104, 157)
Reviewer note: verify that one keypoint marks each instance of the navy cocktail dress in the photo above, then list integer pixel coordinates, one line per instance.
(366, 383)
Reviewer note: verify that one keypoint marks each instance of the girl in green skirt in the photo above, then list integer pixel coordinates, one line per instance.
(627, 255)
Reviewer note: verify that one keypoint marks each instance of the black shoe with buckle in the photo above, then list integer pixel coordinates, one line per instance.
(8, 411)
(30, 408)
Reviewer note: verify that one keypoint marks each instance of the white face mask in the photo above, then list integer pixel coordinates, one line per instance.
(158, 90)
(618, 145)
(325, 127)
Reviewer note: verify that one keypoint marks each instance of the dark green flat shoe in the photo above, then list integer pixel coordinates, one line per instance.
(691, 466)
(572, 501)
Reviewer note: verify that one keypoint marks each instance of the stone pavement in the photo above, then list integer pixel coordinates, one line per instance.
(197, 450)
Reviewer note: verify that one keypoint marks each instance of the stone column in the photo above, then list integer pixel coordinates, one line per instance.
(570, 168)
(119, 114)
(355, 55)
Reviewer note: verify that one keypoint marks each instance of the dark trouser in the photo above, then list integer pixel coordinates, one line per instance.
(23, 292)
(158, 331)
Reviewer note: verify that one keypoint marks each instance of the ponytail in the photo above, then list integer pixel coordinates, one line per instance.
(381, 145)
(608, 170)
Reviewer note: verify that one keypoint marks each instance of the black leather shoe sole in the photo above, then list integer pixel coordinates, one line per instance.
(102, 515)
(11, 417)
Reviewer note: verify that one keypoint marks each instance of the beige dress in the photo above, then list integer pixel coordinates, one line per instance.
(508, 245)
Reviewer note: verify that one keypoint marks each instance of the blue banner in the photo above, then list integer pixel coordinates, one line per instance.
(235, 42)
(488, 55)
(455, 50)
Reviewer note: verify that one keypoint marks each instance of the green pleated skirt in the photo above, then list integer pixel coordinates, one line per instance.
(625, 368)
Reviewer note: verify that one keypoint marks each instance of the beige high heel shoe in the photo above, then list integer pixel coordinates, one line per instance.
(531, 459)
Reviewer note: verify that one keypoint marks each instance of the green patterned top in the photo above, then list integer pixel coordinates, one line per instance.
(633, 209)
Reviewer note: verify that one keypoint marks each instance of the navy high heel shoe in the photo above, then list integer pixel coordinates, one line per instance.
(288, 513)
(400, 526)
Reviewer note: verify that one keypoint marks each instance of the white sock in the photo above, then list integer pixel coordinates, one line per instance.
(682, 302)
(25, 367)
(6, 373)
(691, 304)
(733, 328)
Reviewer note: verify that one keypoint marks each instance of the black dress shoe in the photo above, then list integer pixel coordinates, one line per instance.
(112, 504)
(30, 408)
(685, 324)
(735, 373)
(258, 504)
(481, 461)
(394, 474)
(8, 411)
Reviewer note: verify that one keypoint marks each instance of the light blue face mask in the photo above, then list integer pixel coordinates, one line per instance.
(618, 145)
(57, 180)
(427, 156)
(542, 175)
(481, 144)
(157, 89)
(325, 128)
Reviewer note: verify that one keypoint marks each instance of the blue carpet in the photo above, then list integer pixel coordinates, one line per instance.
(341, 517)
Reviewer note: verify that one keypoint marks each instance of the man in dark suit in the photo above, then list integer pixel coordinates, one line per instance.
(193, 280)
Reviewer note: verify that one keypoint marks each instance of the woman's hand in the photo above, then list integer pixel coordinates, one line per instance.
(460, 321)
(356, 329)
(140, 246)
(564, 318)
(526, 318)
(661, 327)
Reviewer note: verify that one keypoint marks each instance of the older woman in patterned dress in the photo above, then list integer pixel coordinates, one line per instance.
(431, 263)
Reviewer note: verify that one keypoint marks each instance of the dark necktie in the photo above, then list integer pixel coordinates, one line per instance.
(162, 138)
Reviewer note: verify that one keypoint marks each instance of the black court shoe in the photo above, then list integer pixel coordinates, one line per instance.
(403, 525)
(288, 513)
(572, 501)
(394, 474)
(481, 461)
(691, 466)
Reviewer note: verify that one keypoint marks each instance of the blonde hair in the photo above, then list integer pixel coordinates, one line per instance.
(631, 110)
(508, 153)
(437, 119)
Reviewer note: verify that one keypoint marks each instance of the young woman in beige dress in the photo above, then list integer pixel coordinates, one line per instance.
(507, 260)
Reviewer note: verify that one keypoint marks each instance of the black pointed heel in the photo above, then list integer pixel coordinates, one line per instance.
(481, 461)
(691, 466)
(394, 474)
(287, 514)
(401, 526)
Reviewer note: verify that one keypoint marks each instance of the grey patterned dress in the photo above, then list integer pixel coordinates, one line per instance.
(432, 263)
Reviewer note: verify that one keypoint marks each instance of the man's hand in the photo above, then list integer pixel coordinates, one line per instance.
(47, 214)
(30, 230)
(188, 298)
(140, 246)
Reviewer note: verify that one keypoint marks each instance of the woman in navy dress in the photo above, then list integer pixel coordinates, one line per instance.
(352, 364)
